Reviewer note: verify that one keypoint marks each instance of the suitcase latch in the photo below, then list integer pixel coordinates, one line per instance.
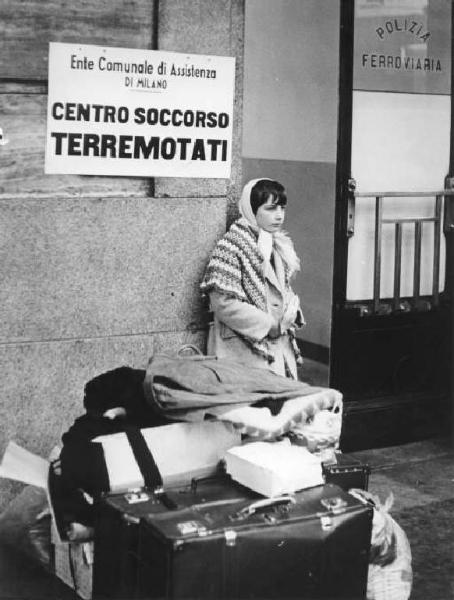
(326, 522)
(230, 537)
(192, 528)
(136, 496)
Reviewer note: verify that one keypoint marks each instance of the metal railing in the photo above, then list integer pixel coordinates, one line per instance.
(380, 221)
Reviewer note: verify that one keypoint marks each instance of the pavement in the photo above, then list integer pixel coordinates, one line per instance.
(417, 474)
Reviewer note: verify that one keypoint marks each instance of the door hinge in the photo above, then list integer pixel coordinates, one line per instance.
(449, 207)
(351, 187)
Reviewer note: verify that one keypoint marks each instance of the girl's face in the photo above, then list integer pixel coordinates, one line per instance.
(270, 217)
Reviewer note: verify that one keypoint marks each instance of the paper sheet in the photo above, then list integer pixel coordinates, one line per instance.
(21, 465)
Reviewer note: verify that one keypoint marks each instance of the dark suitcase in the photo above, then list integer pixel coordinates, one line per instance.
(117, 528)
(347, 472)
(117, 515)
(116, 541)
(314, 545)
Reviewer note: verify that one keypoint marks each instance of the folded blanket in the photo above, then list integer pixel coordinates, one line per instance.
(293, 416)
(194, 388)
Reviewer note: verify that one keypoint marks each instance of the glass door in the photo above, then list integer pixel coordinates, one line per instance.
(392, 310)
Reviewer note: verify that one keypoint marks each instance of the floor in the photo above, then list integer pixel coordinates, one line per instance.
(22, 581)
(421, 477)
(418, 473)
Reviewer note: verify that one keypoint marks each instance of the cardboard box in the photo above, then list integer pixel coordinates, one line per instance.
(73, 564)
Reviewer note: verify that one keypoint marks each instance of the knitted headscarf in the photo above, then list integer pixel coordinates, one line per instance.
(279, 240)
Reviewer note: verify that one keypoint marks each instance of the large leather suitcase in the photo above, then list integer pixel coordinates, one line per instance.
(314, 544)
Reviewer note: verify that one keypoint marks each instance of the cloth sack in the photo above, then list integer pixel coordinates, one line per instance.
(322, 430)
(390, 572)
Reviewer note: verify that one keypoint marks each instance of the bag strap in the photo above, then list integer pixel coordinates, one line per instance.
(147, 464)
(150, 471)
(189, 350)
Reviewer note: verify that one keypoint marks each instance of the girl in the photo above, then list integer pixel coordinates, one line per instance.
(248, 283)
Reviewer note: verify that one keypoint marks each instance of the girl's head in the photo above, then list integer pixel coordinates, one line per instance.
(267, 191)
(263, 203)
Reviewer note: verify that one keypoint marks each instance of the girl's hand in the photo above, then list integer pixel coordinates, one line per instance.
(290, 312)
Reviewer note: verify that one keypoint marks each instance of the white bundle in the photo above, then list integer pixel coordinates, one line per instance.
(274, 468)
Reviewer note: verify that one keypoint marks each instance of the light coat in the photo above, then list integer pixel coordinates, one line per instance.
(233, 317)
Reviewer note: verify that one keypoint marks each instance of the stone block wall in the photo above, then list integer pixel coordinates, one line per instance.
(96, 272)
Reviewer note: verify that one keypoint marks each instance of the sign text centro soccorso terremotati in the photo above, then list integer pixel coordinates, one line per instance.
(126, 112)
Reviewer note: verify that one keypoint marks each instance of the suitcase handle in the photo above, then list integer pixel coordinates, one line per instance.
(251, 509)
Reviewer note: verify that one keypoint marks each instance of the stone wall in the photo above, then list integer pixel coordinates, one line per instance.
(97, 272)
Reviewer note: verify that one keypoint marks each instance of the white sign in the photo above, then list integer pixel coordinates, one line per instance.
(119, 111)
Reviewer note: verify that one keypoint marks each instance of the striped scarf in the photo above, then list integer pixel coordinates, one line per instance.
(236, 269)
